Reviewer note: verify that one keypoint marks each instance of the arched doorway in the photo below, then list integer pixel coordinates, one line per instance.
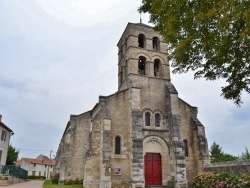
(156, 160)
(152, 169)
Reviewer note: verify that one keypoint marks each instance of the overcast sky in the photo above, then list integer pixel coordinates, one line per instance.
(58, 56)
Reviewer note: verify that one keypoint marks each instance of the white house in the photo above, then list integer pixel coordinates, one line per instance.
(6, 133)
(41, 166)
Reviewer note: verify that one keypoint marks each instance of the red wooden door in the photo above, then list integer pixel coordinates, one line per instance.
(153, 169)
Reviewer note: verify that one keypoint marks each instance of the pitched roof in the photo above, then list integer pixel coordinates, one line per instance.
(43, 157)
(35, 161)
(6, 127)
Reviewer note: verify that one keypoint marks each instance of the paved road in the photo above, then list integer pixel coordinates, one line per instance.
(29, 184)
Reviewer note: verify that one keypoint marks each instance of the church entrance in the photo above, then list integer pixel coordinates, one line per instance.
(153, 169)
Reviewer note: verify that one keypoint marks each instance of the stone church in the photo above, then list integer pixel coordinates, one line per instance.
(144, 134)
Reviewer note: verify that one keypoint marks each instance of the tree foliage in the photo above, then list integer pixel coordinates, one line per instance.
(12, 155)
(211, 37)
(217, 154)
(245, 155)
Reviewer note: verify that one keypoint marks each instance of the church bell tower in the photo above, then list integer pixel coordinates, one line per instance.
(142, 52)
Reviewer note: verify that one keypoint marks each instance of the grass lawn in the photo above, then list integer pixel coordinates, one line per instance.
(49, 184)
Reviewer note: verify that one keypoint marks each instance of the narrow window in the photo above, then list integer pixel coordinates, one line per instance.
(125, 69)
(186, 148)
(141, 41)
(1, 152)
(126, 44)
(117, 145)
(156, 44)
(147, 118)
(3, 137)
(157, 120)
(156, 67)
(120, 54)
(121, 75)
(33, 173)
(141, 65)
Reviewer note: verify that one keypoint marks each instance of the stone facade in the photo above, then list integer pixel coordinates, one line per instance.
(143, 134)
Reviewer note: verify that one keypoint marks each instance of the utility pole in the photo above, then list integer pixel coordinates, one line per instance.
(48, 164)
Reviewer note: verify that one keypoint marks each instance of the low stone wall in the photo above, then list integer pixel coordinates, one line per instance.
(233, 167)
(11, 180)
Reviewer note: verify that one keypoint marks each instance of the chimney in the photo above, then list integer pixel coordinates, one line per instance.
(0, 117)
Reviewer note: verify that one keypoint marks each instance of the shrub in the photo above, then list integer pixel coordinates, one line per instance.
(222, 180)
(73, 182)
(36, 177)
(54, 178)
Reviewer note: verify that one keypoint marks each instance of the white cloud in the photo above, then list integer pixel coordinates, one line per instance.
(83, 13)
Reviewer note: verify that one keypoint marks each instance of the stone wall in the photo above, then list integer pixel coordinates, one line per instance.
(233, 167)
(10, 180)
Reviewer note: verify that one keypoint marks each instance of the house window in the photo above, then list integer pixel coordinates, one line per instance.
(157, 120)
(4, 134)
(141, 41)
(141, 65)
(33, 173)
(185, 147)
(34, 165)
(156, 44)
(117, 145)
(147, 118)
(1, 152)
(39, 173)
(44, 174)
(156, 67)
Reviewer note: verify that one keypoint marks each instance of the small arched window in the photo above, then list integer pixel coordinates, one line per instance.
(147, 118)
(157, 120)
(156, 44)
(185, 147)
(141, 41)
(156, 67)
(117, 145)
(141, 65)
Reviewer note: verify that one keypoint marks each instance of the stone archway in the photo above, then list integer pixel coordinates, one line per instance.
(156, 160)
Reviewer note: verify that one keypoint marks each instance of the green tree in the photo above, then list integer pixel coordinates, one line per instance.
(12, 155)
(211, 37)
(229, 157)
(217, 154)
(245, 155)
